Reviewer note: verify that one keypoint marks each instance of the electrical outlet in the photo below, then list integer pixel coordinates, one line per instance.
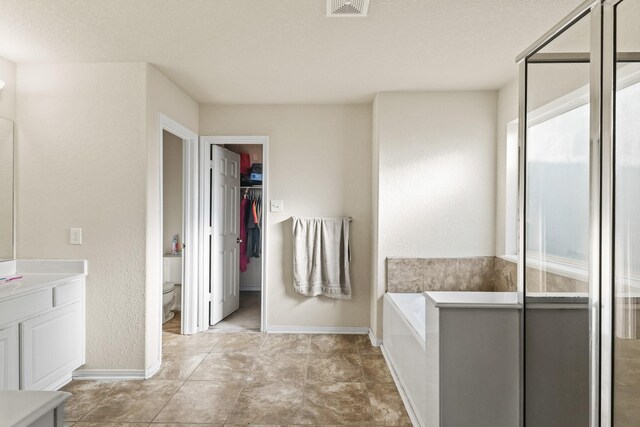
(76, 236)
(277, 206)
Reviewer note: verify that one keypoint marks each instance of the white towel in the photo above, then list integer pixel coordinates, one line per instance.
(321, 257)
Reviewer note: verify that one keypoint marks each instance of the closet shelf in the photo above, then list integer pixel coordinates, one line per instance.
(249, 187)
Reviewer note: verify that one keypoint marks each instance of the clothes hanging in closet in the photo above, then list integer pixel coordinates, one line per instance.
(253, 222)
(254, 226)
(244, 258)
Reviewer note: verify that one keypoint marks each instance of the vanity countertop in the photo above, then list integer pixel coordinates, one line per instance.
(21, 408)
(38, 274)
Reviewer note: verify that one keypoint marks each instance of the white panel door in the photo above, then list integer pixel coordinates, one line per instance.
(51, 347)
(9, 362)
(225, 233)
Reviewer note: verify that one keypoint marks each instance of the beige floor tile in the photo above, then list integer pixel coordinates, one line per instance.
(286, 343)
(280, 367)
(333, 343)
(386, 404)
(134, 401)
(375, 369)
(224, 367)
(85, 396)
(193, 344)
(68, 423)
(247, 317)
(201, 402)
(365, 347)
(173, 325)
(92, 424)
(183, 425)
(334, 367)
(178, 366)
(167, 337)
(267, 403)
(335, 403)
(238, 342)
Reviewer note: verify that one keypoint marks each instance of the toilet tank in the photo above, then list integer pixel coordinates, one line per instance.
(172, 269)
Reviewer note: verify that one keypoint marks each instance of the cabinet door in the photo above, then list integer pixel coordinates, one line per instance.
(9, 364)
(51, 347)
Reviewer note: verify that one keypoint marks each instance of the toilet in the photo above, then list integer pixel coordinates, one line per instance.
(171, 279)
(168, 298)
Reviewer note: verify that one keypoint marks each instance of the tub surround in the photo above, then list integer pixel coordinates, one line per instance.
(42, 323)
(484, 274)
(466, 355)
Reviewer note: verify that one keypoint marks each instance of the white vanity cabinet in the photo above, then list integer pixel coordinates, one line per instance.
(42, 325)
(9, 359)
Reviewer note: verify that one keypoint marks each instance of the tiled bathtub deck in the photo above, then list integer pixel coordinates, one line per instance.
(240, 378)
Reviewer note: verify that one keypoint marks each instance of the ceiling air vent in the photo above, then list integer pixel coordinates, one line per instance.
(347, 8)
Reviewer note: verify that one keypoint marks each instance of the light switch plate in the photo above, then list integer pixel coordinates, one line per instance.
(75, 236)
(277, 206)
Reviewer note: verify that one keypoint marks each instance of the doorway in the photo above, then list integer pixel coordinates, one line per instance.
(234, 190)
(172, 234)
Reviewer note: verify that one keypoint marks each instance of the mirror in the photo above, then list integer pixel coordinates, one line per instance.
(6, 189)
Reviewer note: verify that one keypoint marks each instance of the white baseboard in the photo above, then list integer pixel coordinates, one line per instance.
(374, 341)
(403, 394)
(152, 370)
(318, 330)
(109, 374)
(250, 288)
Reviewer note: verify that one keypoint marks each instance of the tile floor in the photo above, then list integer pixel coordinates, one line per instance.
(241, 378)
(247, 316)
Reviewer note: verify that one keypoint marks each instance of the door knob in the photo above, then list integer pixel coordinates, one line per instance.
(238, 240)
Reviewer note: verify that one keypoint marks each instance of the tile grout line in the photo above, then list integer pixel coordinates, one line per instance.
(245, 382)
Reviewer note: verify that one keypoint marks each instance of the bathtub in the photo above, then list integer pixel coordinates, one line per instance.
(455, 356)
(404, 346)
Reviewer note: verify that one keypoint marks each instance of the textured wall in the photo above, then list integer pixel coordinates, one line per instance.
(320, 166)
(81, 157)
(162, 96)
(436, 178)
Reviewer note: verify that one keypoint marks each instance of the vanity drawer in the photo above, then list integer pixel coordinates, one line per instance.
(22, 307)
(67, 292)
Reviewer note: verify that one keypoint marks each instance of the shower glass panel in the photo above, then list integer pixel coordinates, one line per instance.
(556, 231)
(626, 280)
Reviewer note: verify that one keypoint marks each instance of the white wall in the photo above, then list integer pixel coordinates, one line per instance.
(7, 111)
(507, 112)
(89, 156)
(8, 93)
(320, 166)
(81, 163)
(171, 189)
(162, 96)
(436, 178)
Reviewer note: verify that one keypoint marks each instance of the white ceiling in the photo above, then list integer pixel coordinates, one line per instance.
(286, 51)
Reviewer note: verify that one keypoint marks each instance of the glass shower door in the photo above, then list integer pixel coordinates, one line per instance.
(626, 227)
(557, 230)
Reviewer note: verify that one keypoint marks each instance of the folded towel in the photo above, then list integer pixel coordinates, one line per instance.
(321, 257)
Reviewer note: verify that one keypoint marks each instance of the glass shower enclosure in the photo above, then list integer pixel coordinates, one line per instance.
(579, 219)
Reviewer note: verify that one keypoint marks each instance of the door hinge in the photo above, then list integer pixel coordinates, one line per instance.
(211, 164)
